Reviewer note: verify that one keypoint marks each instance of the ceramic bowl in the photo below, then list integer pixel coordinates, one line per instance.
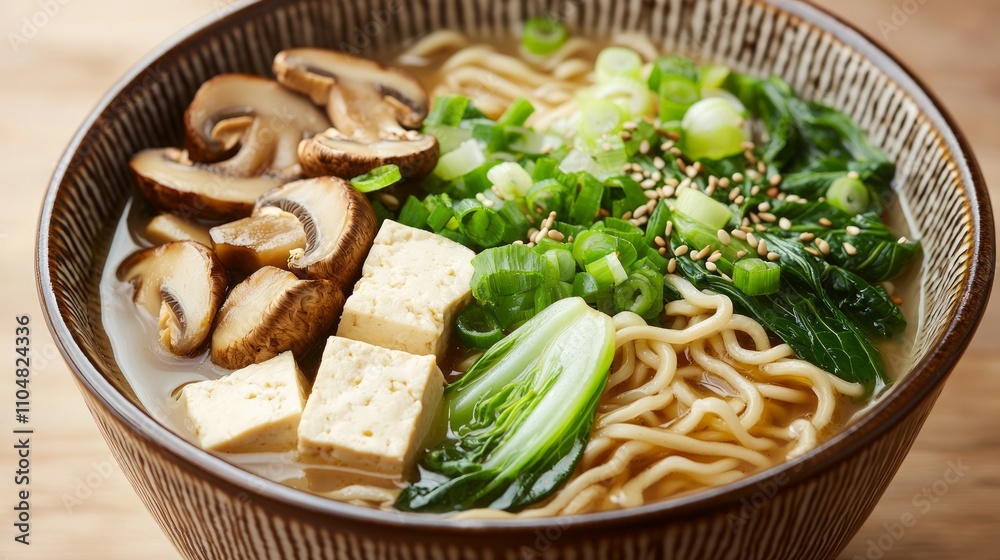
(806, 508)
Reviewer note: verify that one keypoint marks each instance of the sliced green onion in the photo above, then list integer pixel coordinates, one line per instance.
(543, 36)
(381, 212)
(625, 231)
(577, 161)
(608, 271)
(441, 213)
(482, 225)
(545, 168)
(588, 200)
(564, 263)
(477, 327)
(756, 277)
(699, 207)
(850, 195)
(599, 117)
(610, 154)
(634, 194)
(506, 270)
(468, 156)
(585, 286)
(671, 66)
(510, 179)
(635, 294)
(677, 94)
(713, 77)
(618, 62)
(713, 129)
(447, 110)
(544, 198)
(448, 137)
(629, 94)
(413, 213)
(655, 260)
(528, 141)
(477, 180)
(517, 223)
(592, 245)
(517, 113)
(656, 280)
(378, 178)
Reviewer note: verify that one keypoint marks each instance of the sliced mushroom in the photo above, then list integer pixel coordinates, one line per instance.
(370, 106)
(271, 312)
(167, 228)
(181, 283)
(264, 239)
(219, 128)
(171, 183)
(339, 223)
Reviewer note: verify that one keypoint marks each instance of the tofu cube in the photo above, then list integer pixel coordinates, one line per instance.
(370, 407)
(412, 285)
(254, 409)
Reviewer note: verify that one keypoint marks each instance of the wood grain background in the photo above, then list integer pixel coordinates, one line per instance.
(82, 506)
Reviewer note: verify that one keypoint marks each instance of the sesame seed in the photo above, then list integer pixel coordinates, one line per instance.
(747, 145)
(824, 247)
(659, 163)
(627, 215)
(738, 177)
(711, 267)
(671, 182)
(853, 175)
(668, 230)
(773, 257)
(517, 242)
(773, 192)
(775, 180)
(760, 228)
(825, 222)
(723, 236)
(676, 152)
(542, 233)
(752, 240)
(761, 167)
(726, 277)
(785, 224)
(853, 230)
(768, 217)
(812, 251)
(903, 241)
(754, 218)
(660, 242)
(750, 157)
(740, 200)
(488, 203)
(672, 135)
(850, 249)
(644, 147)
(637, 177)
(668, 192)
(630, 125)
(682, 250)
(724, 182)
(648, 184)
(733, 194)
(764, 206)
(682, 165)
(703, 253)
(739, 234)
(389, 200)
(651, 194)
(807, 236)
(762, 248)
(662, 250)
(640, 212)
(714, 257)
(626, 135)
(672, 266)
(666, 146)
(755, 190)
(637, 168)
(741, 254)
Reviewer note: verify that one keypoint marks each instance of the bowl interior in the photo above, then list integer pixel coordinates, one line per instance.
(936, 181)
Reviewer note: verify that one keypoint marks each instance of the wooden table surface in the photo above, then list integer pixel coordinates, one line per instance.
(55, 69)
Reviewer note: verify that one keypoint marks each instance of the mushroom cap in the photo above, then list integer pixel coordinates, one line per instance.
(172, 184)
(331, 153)
(183, 284)
(265, 239)
(315, 72)
(249, 125)
(272, 312)
(339, 223)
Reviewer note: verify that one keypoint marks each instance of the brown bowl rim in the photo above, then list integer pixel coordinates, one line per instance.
(925, 377)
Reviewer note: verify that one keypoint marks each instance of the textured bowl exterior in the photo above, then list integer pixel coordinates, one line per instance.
(808, 508)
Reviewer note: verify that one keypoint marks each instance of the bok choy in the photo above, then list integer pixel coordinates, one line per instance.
(519, 419)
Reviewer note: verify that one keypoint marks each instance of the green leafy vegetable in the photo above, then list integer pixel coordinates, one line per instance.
(520, 418)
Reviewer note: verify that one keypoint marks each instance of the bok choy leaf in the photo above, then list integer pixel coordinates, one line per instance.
(519, 419)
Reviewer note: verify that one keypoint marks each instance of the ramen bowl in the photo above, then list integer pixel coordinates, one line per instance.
(809, 507)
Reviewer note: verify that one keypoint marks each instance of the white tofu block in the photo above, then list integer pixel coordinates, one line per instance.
(250, 410)
(412, 285)
(370, 407)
